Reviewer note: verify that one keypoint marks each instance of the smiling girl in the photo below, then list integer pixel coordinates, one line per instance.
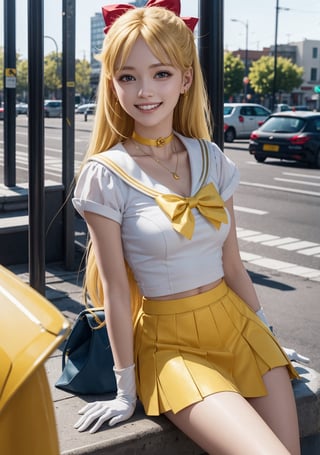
(156, 194)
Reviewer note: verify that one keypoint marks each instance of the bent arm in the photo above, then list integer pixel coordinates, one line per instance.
(106, 241)
(235, 273)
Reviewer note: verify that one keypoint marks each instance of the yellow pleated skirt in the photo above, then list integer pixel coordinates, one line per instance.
(189, 348)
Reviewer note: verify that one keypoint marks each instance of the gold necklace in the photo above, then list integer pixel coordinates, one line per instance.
(174, 173)
(159, 142)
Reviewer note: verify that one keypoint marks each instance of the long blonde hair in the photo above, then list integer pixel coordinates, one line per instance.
(169, 39)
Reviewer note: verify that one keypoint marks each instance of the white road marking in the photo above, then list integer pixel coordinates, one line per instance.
(308, 176)
(280, 188)
(281, 266)
(247, 210)
(300, 182)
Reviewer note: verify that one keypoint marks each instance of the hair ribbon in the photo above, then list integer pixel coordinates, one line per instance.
(112, 12)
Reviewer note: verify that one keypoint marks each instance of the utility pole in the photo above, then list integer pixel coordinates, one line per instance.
(211, 51)
(68, 154)
(36, 147)
(10, 77)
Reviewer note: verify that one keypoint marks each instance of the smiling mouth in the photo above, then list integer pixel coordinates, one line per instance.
(147, 107)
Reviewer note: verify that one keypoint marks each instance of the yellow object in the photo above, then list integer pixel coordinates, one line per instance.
(189, 348)
(178, 209)
(31, 328)
(159, 142)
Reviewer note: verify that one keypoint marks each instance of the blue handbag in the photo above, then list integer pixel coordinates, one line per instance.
(87, 361)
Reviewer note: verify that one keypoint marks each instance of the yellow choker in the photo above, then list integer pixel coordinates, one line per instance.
(159, 142)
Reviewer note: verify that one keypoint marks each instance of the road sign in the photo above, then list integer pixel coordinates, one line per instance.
(10, 77)
(316, 89)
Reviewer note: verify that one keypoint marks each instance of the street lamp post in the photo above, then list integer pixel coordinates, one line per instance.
(274, 85)
(246, 60)
(54, 42)
(56, 58)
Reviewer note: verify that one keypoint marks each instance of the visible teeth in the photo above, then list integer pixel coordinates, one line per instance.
(149, 107)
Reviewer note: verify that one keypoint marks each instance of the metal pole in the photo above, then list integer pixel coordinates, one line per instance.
(274, 85)
(246, 61)
(9, 91)
(36, 147)
(211, 56)
(68, 154)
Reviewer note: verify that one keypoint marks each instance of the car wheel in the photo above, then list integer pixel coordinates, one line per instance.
(230, 135)
(259, 158)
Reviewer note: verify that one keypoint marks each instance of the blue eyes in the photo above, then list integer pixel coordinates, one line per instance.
(130, 78)
(126, 78)
(162, 74)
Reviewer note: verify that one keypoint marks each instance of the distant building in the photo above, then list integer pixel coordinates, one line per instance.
(308, 56)
(305, 54)
(252, 55)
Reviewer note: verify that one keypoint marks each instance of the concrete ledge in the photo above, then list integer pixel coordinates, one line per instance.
(156, 436)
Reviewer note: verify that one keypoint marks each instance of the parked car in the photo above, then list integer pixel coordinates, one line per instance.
(53, 108)
(83, 107)
(240, 119)
(300, 108)
(91, 110)
(2, 111)
(281, 108)
(21, 108)
(288, 136)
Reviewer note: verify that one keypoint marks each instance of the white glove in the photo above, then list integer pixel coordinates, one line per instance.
(117, 410)
(294, 356)
(291, 353)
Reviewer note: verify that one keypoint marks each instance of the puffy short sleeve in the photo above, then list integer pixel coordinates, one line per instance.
(224, 172)
(99, 191)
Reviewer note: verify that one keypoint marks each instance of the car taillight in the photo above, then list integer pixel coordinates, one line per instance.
(241, 119)
(225, 127)
(254, 136)
(299, 139)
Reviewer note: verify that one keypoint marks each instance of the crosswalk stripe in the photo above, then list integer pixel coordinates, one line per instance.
(281, 266)
(286, 243)
(280, 241)
(297, 245)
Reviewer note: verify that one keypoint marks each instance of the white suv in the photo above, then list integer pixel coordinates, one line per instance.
(53, 108)
(240, 119)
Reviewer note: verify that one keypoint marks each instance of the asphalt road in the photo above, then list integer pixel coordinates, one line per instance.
(277, 208)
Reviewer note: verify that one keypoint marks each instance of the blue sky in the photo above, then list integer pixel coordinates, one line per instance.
(301, 20)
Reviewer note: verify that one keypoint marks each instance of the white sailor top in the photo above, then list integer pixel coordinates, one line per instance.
(163, 260)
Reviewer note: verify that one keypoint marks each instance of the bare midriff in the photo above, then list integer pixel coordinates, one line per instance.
(189, 293)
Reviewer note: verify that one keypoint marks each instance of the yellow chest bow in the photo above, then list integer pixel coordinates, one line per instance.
(178, 209)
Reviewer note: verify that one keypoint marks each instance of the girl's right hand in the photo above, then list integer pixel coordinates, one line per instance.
(117, 410)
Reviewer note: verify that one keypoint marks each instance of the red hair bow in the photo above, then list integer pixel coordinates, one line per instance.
(112, 12)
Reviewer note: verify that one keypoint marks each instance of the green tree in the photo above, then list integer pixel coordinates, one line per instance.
(83, 72)
(52, 74)
(261, 75)
(234, 72)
